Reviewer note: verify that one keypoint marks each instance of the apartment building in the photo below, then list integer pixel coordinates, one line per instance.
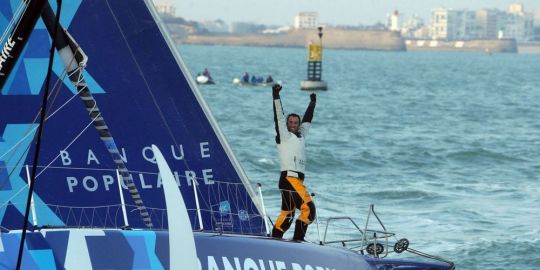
(306, 20)
(450, 24)
(462, 24)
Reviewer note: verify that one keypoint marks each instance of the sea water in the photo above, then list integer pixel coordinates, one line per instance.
(445, 145)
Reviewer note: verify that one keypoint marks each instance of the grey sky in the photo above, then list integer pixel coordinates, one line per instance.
(351, 12)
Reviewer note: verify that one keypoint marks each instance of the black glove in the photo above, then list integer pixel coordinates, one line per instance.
(313, 97)
(275, 90)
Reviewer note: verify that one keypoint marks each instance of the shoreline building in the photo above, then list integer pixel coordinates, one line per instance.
(165, 8)
(537, 26)
(452, 24)
(486, 20)
(306, 20)
(462, 24)
(517, 24)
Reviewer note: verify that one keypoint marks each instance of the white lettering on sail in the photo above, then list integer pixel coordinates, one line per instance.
(123, 183)
(228, 265)
(64, 155)
(6, 53)
(212, 265)
(104, 182)
(207, 176)
(205, 150)
(271, 263)
(261, 265)
(94, 182)
(71, 182)
(249, 264)
(107, 181)
(145, 152)
(143, 184)
(177, 153)
(191, 177)
(123, 155)
(177, 178)
(280, 265)
(91, 156)
(181, 149)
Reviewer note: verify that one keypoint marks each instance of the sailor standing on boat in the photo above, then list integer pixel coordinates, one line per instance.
(290, 139)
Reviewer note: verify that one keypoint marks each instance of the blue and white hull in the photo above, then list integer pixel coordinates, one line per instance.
(134, 249)
(146, 97)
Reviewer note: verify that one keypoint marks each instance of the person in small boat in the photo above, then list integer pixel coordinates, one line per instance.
(206, 73)
(245, 77)
(269, 79)
(253, 79)
(290, 140)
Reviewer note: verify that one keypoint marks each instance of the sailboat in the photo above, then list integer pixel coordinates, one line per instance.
(125, 120)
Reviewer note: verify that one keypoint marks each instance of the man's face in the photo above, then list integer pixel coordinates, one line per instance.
(293, 123)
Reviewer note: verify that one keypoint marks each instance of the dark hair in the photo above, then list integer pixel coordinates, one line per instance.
(293, 115)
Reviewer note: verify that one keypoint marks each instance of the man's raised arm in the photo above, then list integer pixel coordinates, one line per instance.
(279, 118)
(308, 116)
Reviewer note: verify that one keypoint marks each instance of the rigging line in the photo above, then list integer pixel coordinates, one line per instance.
(21, 9)
(69, 145)
(34, 128)
(56, 89)
(65, 45)
(25, 4)
(16, 14)
(163, 119)
(16, 42)
(2, 184)
(22, 188)
(27, 133)
(30, 130)
(59, 83)
(38, 142)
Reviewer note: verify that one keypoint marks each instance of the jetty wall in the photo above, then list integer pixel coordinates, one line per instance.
(353, 39)
(487, 45)
(335, 38)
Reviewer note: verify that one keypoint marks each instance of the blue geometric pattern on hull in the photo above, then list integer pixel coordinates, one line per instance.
(114, 249)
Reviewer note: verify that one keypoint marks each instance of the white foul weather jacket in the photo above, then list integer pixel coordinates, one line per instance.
(291, 146)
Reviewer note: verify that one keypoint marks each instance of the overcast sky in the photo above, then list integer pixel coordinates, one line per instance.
(336, 12)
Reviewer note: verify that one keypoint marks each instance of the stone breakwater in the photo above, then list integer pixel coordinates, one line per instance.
(354, 40)
(488, 46)
(336, 39)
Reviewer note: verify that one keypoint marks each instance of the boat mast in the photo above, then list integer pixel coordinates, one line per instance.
(74, 60)
(18, 38)
(43, 115)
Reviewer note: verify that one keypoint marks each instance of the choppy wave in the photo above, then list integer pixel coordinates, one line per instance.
(446, 145)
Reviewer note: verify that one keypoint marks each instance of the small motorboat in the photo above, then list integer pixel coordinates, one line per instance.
(201, 79)
(239, 82)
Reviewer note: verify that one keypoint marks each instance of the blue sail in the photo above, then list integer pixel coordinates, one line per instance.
(146, 97)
